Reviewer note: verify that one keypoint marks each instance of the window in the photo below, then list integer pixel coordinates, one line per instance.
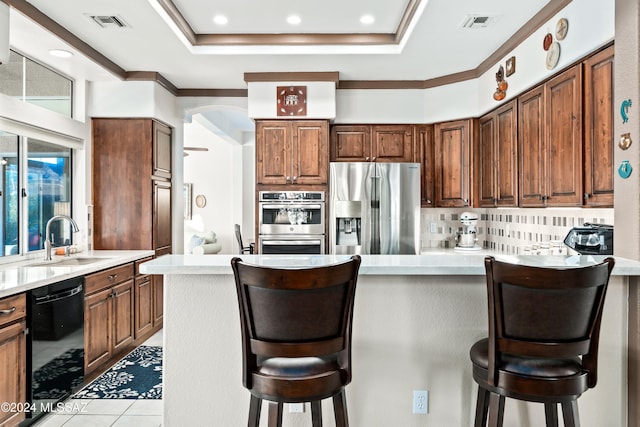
(29, 81)
(36, 185)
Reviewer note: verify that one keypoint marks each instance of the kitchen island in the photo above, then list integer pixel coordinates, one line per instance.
(415, 319)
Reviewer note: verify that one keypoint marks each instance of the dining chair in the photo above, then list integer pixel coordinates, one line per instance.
(544, 329)
(241, 247)
(296, 336)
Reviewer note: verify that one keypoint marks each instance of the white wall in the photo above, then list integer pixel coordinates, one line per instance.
(218, 175)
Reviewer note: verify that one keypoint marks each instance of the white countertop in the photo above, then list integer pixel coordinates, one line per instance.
(24, 275)
(440, 262)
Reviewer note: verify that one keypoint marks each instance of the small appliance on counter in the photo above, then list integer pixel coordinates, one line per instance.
(466, 239)
(591, 239)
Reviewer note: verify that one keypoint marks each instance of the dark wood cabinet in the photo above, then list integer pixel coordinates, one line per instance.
(372, 143)
(108, 315)
(453, 168)
(550, 142)
(426, 149)
(143, 313)
(13, 356)
(598, 129)
(292, 152)
(497, 157)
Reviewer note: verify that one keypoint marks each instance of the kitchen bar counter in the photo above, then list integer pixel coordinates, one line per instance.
(415, 319)
(29, 274)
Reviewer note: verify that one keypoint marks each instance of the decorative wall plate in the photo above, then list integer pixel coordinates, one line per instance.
(553, 55)
(201, 201)
(561, 28)
(546, 42)
(291, 100)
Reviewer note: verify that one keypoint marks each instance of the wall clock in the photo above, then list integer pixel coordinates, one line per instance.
(291, 100)
(553, 55)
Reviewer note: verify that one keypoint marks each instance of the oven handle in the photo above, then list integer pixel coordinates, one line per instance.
(59, 296)
(290, 242)
(290, 206)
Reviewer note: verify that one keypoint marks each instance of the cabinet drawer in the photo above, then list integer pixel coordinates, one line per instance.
(103, 279)
(13, 308)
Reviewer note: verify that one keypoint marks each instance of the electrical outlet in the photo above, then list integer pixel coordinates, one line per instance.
(420, 401)
(296, 408)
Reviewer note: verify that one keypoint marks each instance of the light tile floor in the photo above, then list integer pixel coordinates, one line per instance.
(108, 412)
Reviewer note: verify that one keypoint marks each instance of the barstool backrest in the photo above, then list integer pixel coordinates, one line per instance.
(295, 312)
(545, 312)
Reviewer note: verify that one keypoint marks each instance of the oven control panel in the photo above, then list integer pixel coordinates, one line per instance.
(294, 196)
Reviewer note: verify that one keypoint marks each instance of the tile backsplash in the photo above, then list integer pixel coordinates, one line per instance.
(507, 230)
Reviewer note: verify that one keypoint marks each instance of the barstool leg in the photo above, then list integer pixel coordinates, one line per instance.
(275, 414)
(316, 413)
(570, 414)
(255, 405)
(551, 414)
(482, 407)
(340, 409)
(496, 410)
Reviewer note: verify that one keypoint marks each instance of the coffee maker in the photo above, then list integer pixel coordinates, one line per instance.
(466, 239)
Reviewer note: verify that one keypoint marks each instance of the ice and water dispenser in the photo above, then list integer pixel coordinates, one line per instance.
(348, 224)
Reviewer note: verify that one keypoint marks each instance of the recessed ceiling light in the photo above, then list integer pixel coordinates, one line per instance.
(220, 19)
(60, 53)
(367, 19)
(294, 19)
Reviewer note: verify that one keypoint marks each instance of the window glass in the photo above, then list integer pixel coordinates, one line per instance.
(48, 191)
(9, 194)
(36, 84)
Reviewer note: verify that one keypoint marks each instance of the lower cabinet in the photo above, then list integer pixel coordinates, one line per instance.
(148, 303)
(13, 356)
(108, 315)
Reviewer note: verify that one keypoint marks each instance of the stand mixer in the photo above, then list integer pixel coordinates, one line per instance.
(466, 239)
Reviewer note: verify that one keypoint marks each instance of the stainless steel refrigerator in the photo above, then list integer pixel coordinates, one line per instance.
(374, 208)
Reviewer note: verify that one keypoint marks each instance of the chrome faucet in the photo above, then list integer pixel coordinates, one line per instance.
(47, 242)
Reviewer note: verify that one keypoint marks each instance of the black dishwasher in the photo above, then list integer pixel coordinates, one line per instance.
(55, 365)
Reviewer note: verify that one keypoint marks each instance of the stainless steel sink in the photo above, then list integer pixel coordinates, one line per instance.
(68, 262)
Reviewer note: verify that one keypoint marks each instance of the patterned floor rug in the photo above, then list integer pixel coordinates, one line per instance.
(137, 376)
(57, 378)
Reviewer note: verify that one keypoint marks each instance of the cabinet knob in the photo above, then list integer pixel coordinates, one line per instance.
(366, 158)
(586, 196)
(288, 179)
(295, 178)
(373, 159)
(112, 277)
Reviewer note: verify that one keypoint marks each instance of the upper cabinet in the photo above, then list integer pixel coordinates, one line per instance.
(497, 156)
(426, 149)
(292, 152)
(550, 142)
(372, 143)
(598, 129)
(452, 162)
(131, 184)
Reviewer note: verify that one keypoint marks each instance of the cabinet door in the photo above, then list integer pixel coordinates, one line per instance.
(158, 298)
(97, 329)
(506, 150)
(487, 196)
(161, 215)
(310, 152)
(424, 139)
(531, 146)
(563, 112)
(392, 143)
(598, 129)
(123, 334)
(273, 152)
(350, 143)
(161, 150)
(13, 359)
(452, 153)
(143, 305)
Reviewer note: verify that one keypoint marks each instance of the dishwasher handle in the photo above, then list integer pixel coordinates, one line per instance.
(67, 293)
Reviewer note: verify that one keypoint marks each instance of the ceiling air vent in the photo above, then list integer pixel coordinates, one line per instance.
(477, 21)
(109, 21)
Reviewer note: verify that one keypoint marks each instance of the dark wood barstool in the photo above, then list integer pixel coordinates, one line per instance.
(296, 336)
(544, 328)
(241, 247)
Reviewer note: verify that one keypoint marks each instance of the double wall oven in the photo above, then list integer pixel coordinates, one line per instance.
(291, 222)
